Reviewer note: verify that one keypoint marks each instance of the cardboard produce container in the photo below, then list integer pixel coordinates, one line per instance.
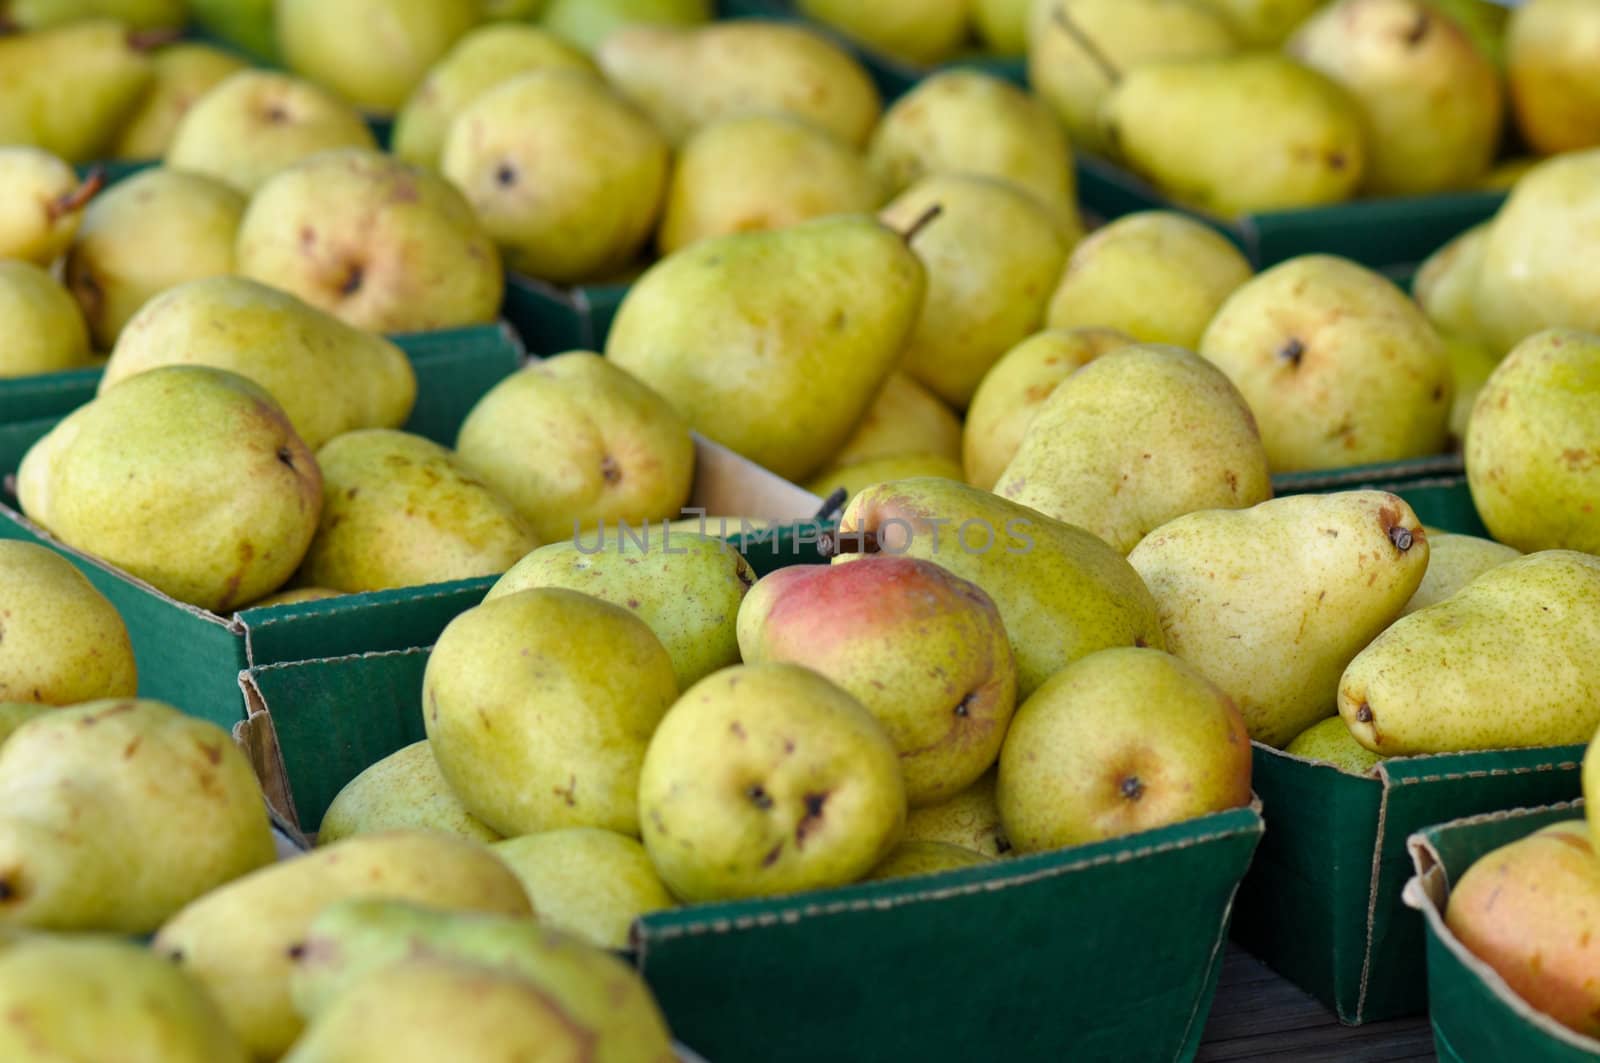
(1476, 1016)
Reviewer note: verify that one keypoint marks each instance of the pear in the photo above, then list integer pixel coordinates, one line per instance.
(574, 443)
(970, 820)
(74, 117)
(587, 882)
(140, 14)
(686, 586)
(857, 477)
(774, 344)
(1328, 572)
(41, 203)
(1453, 562)
(240, 941)
(1061, 591)
(257, 123)
(1471, 365)
(243, 24)
(760, 171)
(1332, 743)
(381, 244)
(911, 858)
(81, 996)
(183, 73)
(685, 78)
(1446, 284)
(1505, 174)
(45, 329)
(13, 714)
(1549, 69)
(329, 377)
(565, 176)
(1002, 25)
(61, 640)
(768, 779)
(587, 24)
(966, 121)
(403, 791)
(1265, 23)
(477, 63)
(1156, 275)
(294, 596)
(1237, 134)
(100, 805)
(187, 477)
(905, 418)
(1338, 365)
(510, 10)
(989, 238)
(1074, 81)
(913, 31)
(1014, 388)
(539, 705)
(371, 52)
(155, 230)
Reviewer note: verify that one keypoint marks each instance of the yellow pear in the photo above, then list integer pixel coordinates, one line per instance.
(74, 117)
(855, 478)
(1331, 742)
(371, 52)
(587, 882)
(1265, 23)
(61, 641)
(970, 819)
(184, 72)
(1446, 284)
(13, 714)
(41, 203)
(913, 31)
(403, 791)
(45, 329)
(1453, 562)
(911, 858)
(905, 418)
(1549, 67)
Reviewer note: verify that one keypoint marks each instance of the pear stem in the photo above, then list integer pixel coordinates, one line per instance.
(1084, 41)
(922, 222)
(836, 542)
(79, 197)
(150, 39)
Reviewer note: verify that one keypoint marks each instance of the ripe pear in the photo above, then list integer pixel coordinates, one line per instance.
(1061, 591)
(1453, 562)
(539, 705)
(904, 418)
(1328, 572)
(687, 587)
(588, 24)
(257, 123)
(478, 62)
(1275, 135)
(1265, 23)
(574, 443)
(1012, 391)
(383, 245)
(1446, 284)
(75, 117)
(184, 73)
(294, 596)
(44, 329)
(187, 477)
(768, 779)
(1002, 25)
(403, 791)
(989, 238)
(1430, 97)
(100, 806)
(1338, 365)
(371, 52)
(924, 650)
(80, 996)
(61, 641)
(1550, 71)
(912, 31)
(329, 377)
(41, 203)
(911, 858)
(158, 229)
(1126, 34)
(774, 344)
(240, 941)
(587, 882)
(1157, 275)
(565, 176)
(13, 714)
(861, 475)
(970, 820)
(244, 24)
(685, 78)
(1471, 365)
(1121, 741)
(1331, 742)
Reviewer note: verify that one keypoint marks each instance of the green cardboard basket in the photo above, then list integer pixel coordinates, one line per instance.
(552, 319)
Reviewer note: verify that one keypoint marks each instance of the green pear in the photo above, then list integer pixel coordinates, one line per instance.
(41, 203)
(1533, 444)
(687, 587)
(13, 714)
(857, 477)
(760, 171)
(1328, 572)
(904, 418)
(989, 238)
(768, 779)
(1125, 33)
(1332, 743)
(513, 9)
(539, 705)
(1265, 23)
(587, 882)
(383, 245)
(186, 477)
(1549, 69)
(774, 344)
(912, 31)
(911, 858)
(329, 377)
(1134, 439)
(477, 63)
(371, 52)
(100, 806)
(244, 24)
(1061, 591)
(1339, 367)
(240, 941)
(1157, 275)
(184, 73)
(75, 117)
(1471, 365)
(565, 176)
(575, 443)
(139, 14)
(157, 229)
(685, 78)
(44, 328)
(403, 791)
(1014, 388)
(588, 24)
(61, 641)
(1120, 741)
(1237, 134)
(924, 650)
(1002, 25)
(257, 123)
(1431, 98)
(970, 820)
(79, 996)
(1446, 284)
(1453, 562)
